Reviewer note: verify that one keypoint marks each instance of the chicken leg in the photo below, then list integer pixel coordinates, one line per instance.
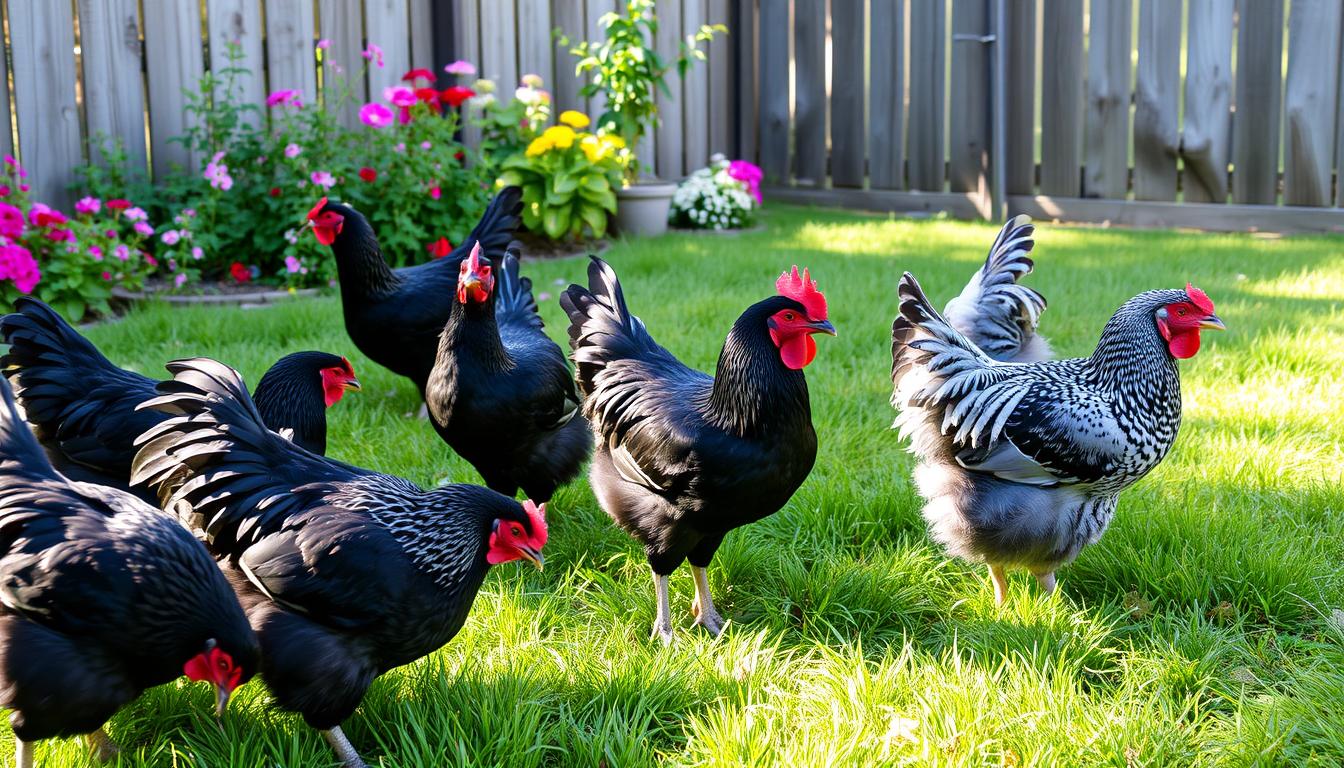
(104, 749)
(703, 606)
(1047, 581)
(1000, 579)
(662, 622)
(23, 753)
(344, 749)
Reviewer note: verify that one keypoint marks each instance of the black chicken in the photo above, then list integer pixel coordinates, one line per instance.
(501, 393)
(394, 316)
(101, 597)
(344, 573)
(83, 408)
(683, 458)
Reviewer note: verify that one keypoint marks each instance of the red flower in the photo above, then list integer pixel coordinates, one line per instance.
(430, 97)
(46, 217)
(418, 74)
(240, 273)
(275, 191)
(440, 248)
(118, 204)
(4, 190)
(368, 174)
(454, 96)
(459, 155)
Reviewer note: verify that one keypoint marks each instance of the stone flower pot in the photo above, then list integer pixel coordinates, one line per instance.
(641, 209)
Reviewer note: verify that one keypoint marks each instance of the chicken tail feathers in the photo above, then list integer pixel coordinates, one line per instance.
(994, 311)
(499, 224)
(601, 328)
(514, 301)
(19, 449)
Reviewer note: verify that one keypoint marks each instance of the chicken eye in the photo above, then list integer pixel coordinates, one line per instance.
(517, 531)
(788, 316)
(1181, 311)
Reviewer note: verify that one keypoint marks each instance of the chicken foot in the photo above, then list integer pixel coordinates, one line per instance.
(343, 748)
(703, 605)
(23, 753)
(104, 749)
(662, 623)
(1047, 581)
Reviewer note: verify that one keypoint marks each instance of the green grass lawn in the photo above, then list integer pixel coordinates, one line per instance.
(1206, 628)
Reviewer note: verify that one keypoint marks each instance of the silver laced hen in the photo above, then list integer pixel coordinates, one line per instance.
(1021, 463)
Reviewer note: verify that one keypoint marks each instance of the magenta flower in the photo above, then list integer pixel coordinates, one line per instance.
(749, 174)
(373, 53)
(89, 205)
(122, 252)
(107, 276)
(425, 145)
(143, 228)
(287, 97)
(17, 264)
(375, 115)
(136, 214)
(323, 44)
(292, 264)
(96, 252)
(460, 67)
(323, 179)
(180, 279)
(434, 192)
(197, 253)
(11, 221)
(293, 150)
(170, 237)
(403, 99)
(217, 173)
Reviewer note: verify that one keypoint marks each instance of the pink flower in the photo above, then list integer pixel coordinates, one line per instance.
(399, 95)
(24, 187)
(136, 214)
(400, 147)
(17, 264)
(292, 264)
(189, 212)
(61, 235)
(180, 279)
(89, 205)
(122, 252)
(149, 259)
(43, 215)
(107, 276)
(748, 174)
(112, 233)
(143, 228)
(4, 190)
(170, 237)
(425, 145)
(288, 97)
(197, 253)
(217, 173)
(293, 150)
(434, 192)
(96, 252)
(323, 44)
(323, 179)
(11, 221)
(373, 53)
(460, 67)
(375, 115)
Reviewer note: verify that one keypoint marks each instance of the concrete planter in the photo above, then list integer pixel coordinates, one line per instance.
(641, 210)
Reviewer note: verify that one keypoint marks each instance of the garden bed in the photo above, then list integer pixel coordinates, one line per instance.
(213, 294)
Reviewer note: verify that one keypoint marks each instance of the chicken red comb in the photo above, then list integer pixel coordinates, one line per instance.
(350, 369)
(474, 260)
(803, 289)
(312, 214)
(1200, 298)
(537, 514)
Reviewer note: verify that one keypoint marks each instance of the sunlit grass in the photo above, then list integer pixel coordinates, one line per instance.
(1206, 628)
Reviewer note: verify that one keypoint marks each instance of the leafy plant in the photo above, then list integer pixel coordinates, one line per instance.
(508, 126)
(626, 69)
(568, 177)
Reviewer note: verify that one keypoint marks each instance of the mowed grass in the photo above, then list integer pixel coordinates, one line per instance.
(1206, 628)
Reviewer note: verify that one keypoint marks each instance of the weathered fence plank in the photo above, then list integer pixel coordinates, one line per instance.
(467, 47)
(567, 16)
(499, 45)
(848, 130)
(43, 41)
(290, 60)
(342, 62)
(809, 94)
(720, 78)
(1156, 137)
(1062, 97)
(173, 56)
(1106, 171)
(886, 148)
(1020, 142)
(114, 94)
(238, 22)
(746, 78)
(668, 144)
(387, 23)
(1255, 135)
(1309, 100)
(421, 18)
(1206, 139)
(6, 139)
(594, 31)
(695, 96)
(968, 108)
(535, 55)
(774, 86)
(925, 122)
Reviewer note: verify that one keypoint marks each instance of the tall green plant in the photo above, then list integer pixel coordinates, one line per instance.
(625, 68)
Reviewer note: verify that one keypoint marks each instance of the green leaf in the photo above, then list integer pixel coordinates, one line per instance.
(595, 218)
(595, 184)
(564, 184)
(511, 178)
(555, 221)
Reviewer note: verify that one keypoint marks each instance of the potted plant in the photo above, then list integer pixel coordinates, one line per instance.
(626, 70)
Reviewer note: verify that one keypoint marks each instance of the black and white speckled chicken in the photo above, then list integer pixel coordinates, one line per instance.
(1021, 463)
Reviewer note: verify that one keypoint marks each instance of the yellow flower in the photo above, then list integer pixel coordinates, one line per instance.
(574, 119)
(614, 141)
(539, 145)
(593, 149)
(560, 136)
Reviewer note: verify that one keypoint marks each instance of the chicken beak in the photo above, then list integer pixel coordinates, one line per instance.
(350, 385)
(1212, 322)
(221, 701)
(533, 555)
(823, 326)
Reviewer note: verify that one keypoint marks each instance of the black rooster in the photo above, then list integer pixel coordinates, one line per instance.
(83, 408)
(501, 393)
(394, 316)
(683, 458)
(101, 597)
(345, 573)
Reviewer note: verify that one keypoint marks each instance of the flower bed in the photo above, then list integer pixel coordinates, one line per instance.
(724, 196)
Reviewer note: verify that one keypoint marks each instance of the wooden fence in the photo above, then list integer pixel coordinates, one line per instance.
(1222, 114)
